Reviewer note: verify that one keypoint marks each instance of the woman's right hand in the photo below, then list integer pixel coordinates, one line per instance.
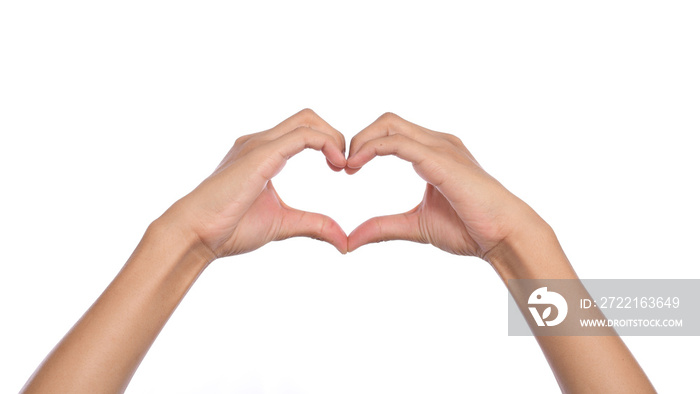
(236, 209)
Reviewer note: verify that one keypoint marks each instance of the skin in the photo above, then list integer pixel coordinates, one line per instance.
(465, 211)
(236, 210)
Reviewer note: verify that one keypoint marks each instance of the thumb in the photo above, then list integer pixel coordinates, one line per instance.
(404, 226)
(296, 223)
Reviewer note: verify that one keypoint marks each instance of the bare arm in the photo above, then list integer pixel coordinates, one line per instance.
(233, 211)
(101, 352)
(466, 211)
(581, 364)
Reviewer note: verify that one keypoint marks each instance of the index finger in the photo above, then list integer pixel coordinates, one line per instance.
(390, 124)
(272, 156)
(306, 118)
(427, 162)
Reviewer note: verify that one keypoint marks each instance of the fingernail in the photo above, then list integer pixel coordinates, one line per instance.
(337, 164)
(348, 165)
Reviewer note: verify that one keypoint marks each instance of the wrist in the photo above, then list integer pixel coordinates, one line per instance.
(183, 246)
(531, 251)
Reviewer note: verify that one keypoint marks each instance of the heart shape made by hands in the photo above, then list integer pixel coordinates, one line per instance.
(384, 186)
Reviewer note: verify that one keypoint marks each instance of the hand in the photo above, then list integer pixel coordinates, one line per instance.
(237, 210)
(464, 210)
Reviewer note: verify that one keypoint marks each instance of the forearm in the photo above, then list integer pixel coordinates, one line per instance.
(102, 351)
(581, 364)
(233, 211)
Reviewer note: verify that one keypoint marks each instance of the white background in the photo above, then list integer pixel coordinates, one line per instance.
(111, 111)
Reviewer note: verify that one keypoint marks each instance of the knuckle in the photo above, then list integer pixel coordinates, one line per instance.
(455, 140)
(389, 117)
(306, 116)
(322, 226)
(241, 140)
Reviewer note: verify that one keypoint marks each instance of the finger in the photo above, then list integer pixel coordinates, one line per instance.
(426, 160)
(390, 124)
(403, 226)
(333, 166)
(296, 223)
(305, 118)
(397, 145)
(278, 151)
(351, 171)
(304, 137)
